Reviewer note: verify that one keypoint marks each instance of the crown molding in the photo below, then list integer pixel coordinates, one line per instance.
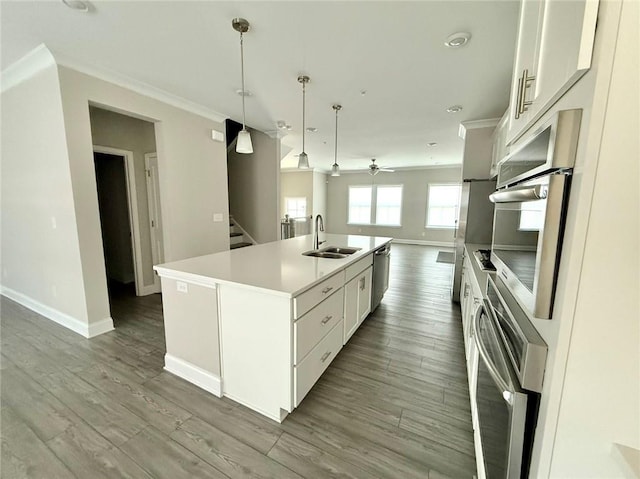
(400, 169)
(138, 87)
(473, 124)
(28, 66)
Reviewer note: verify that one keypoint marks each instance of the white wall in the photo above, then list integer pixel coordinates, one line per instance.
(41, 263)
(297, 184)
(138, 136)
(414, 203)
(59, 181)
(590, 391)
(320, 186)
(254, 182)
(600, 406)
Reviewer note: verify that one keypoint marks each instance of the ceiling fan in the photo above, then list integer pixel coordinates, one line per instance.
(375, 169)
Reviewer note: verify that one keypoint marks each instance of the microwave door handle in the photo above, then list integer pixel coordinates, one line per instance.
(493, 371)
(519, 195)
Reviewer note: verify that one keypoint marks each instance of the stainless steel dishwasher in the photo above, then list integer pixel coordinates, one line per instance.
(381, 258)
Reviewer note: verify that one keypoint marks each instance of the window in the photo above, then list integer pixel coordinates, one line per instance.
(296, 207)
(531, 215)
(360, 205)
(442, 206)
(388, 205)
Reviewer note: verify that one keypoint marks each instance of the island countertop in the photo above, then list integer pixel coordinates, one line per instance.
(277, 267)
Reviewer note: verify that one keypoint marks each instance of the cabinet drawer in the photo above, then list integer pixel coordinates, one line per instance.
(315, 325)
(358, 267)
(307, 300)
(308, 371)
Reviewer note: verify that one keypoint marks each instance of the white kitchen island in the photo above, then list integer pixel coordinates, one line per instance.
(261, 324)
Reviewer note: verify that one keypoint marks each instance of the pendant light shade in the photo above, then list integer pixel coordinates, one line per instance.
(335, 169)
(243, 142)
(303, 159)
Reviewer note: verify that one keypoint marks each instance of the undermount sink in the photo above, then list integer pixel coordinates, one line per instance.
(340, 249)
(332, 252)
(324, 254)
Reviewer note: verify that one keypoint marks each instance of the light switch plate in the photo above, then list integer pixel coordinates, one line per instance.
(218, 217)
(182, 287)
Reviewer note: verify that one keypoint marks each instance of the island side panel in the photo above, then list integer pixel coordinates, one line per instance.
(257, 349)
(191, 332)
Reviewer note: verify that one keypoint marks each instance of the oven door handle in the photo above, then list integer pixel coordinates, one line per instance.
(519, 195)
(482, 350)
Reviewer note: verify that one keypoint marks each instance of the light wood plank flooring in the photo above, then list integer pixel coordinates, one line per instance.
(393, 404)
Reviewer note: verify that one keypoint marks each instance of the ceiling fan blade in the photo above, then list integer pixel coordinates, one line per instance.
(386, 170)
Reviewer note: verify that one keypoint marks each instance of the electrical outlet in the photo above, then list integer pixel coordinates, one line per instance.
(423, 233)
(182, 287)
(54, 223)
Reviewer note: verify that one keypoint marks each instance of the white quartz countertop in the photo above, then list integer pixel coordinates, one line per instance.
(278, 267)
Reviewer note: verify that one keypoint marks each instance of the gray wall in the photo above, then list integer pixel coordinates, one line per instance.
(297, 184)
(254, 188)
(414, 203)
(127, 133)
(41, 259)
(319, 194)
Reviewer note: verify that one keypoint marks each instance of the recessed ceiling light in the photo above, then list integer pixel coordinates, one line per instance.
(78, 5)
(458, 40)
(312, 129)
(454, 109)
(433, 143)
(239, 92)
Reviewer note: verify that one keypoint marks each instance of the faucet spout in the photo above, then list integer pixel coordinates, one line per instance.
(318, 227)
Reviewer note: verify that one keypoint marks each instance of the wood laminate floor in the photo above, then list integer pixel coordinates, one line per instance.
(393, 404)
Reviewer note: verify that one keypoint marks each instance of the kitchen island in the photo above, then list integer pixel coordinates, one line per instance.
(261, 324)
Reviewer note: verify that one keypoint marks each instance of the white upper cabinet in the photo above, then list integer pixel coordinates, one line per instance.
(555, 43)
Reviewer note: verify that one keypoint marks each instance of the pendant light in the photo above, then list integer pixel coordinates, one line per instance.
(243, 142)
(335, 169)
(303, 159)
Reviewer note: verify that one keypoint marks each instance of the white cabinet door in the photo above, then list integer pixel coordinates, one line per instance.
(351, 308)
(525, 63)
(357, 301)
(364, 294)
(566, 45)
(555, 44)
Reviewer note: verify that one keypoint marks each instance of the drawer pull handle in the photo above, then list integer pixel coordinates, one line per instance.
(325, 356)
(326, 290)
(326, 319)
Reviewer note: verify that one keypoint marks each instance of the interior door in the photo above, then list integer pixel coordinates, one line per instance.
(155, 218)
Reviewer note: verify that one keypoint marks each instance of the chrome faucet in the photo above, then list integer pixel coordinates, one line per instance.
(316, 236)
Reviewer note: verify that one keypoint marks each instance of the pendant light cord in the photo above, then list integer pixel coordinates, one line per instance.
(244, 127)
(303, 112)
(335, 157)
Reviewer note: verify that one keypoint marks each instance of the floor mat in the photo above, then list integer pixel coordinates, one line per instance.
(445, 257)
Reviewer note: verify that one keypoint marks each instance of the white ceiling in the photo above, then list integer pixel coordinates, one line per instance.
(393, 50)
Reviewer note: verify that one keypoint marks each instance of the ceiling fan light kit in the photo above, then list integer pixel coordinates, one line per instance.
(375, 169)
(303, 158)
(243, 142)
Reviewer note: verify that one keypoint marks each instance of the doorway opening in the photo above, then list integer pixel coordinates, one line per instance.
(127, 180)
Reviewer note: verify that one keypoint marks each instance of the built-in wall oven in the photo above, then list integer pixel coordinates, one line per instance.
(509, 380)
(530, 209)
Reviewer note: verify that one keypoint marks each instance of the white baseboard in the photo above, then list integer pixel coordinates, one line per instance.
(150, 289)
(88, 330)
(194, 374)
(442, 244)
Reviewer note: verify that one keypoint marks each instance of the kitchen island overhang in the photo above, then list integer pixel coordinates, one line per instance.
(259, 325)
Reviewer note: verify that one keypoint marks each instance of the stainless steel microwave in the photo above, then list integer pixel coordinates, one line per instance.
(531, 200)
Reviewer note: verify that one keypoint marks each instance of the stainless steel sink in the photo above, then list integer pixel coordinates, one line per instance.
(324, 254)
(340, 249)
(333, 252)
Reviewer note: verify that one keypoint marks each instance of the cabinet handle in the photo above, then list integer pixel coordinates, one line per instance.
(326, 290)
(325, 356)
(326, 319)
(523, 84)
(518, 96)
